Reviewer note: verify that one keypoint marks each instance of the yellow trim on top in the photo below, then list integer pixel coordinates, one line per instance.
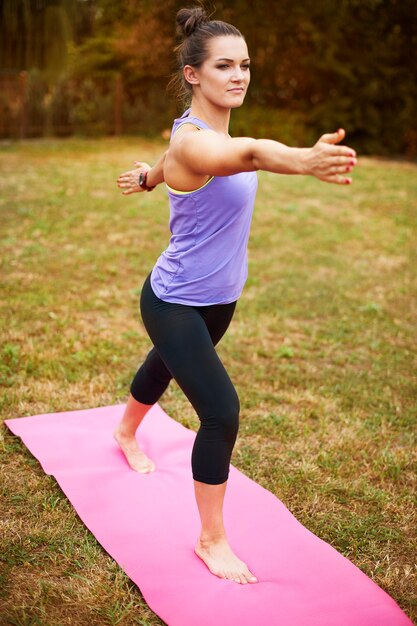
(183, 193)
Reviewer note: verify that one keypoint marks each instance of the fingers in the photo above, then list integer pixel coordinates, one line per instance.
(341, 180)
(338, 154)
(128, 184)
(337, 174)
(124, 182)
(333, 137)
(338, 179)
(131, 173)
(341, 169)
(333, 173)
(129, 188)
(344, 160)
(340, 165)
(331, 162)
(130, 180)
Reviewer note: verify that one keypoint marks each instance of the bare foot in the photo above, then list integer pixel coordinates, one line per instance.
(222, 562)
(137, 459)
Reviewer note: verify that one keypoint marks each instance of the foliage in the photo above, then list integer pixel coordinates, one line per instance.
(36, 91)
(95, 57)
(35, 34)
(92, 111)
(60, 108)
(284, 125)
(9, 117)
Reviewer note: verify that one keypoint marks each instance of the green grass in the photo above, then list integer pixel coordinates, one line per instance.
(322, 351)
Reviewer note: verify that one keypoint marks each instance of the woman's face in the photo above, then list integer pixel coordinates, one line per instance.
(224, 76)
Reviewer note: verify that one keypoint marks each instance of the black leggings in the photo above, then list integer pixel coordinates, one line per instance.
(184, 338)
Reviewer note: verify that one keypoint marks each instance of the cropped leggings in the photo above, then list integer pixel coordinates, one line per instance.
(183, 340)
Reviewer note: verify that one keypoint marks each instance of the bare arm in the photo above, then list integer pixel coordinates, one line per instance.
(325, 160)
(130, 180)
(156, 173)
(206, 152)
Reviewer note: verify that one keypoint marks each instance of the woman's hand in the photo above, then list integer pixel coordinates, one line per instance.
(130, 180)
(329, 162)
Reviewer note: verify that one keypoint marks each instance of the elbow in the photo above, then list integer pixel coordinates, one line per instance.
(254, 154)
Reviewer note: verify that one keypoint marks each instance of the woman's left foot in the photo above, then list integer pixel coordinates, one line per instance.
(137, 459)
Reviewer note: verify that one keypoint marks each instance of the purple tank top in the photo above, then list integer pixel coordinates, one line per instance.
(206, 259)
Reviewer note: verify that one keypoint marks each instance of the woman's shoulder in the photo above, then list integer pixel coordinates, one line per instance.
(190, 128)
(188, 120)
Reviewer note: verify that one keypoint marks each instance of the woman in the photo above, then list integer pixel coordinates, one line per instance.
(188, 300)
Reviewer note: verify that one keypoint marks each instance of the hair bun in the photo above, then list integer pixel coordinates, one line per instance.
(189, 19)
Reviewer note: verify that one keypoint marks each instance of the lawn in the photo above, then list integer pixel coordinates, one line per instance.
(322, 351)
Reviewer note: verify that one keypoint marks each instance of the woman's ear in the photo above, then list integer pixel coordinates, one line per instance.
(191, 75)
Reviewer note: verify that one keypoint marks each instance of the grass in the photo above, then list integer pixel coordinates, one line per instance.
(322, 351)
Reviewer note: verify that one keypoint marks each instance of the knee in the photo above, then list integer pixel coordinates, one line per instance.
(150, 382)
(227, 415)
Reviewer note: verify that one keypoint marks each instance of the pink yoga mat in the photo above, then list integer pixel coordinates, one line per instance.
(149, 523)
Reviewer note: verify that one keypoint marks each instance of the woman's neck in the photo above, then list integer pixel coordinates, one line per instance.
(217, 118)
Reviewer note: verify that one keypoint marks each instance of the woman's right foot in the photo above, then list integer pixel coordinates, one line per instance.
(222, 562)
(137, 459)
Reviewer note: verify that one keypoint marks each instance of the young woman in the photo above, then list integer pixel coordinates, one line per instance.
(188, 300)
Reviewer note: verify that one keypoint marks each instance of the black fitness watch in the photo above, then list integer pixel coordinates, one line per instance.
(142, 182)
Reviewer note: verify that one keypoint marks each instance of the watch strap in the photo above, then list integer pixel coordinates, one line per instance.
(142, 182)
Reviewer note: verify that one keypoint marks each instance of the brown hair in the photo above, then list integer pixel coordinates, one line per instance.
(195, 27)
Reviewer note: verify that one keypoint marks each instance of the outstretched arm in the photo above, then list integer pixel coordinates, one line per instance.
(206, 152)
(130, 180)
(325, 160)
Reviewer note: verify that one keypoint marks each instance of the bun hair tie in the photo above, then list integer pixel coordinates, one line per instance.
(189, 20)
